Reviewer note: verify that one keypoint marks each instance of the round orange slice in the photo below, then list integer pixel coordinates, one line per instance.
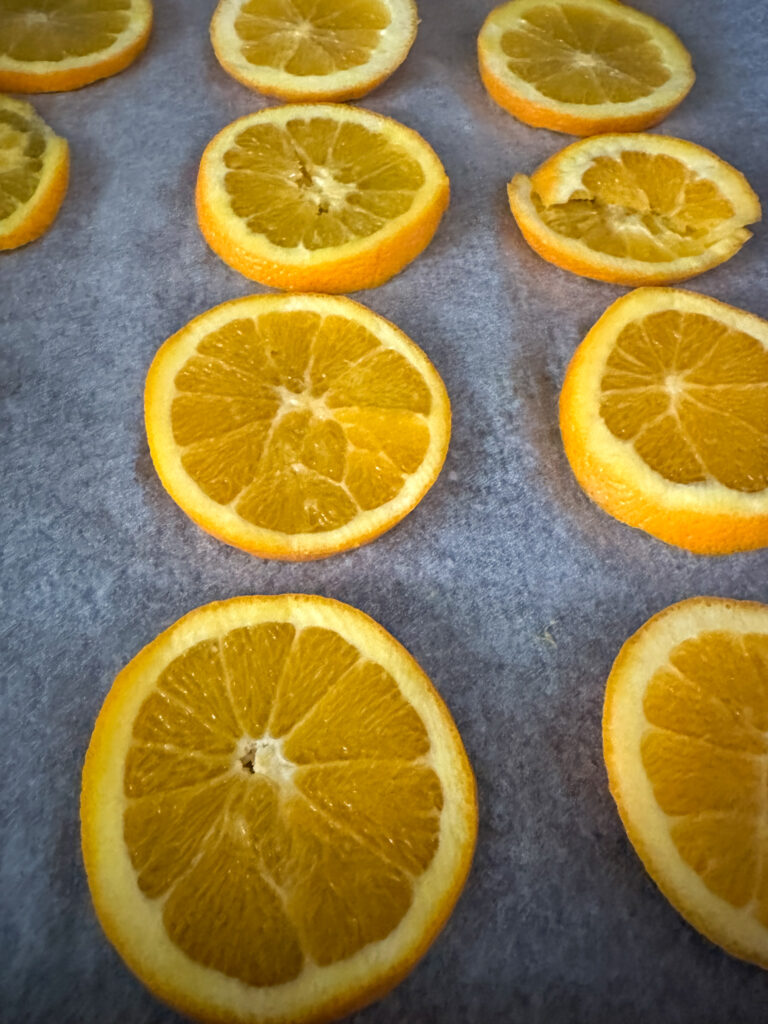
(278, 814)
(295, 426)
(664, 417)
(634, 209)
(319, 197)
(56, 45)
(34, 172)
(684, 732)
(582, 66)
(313, 49)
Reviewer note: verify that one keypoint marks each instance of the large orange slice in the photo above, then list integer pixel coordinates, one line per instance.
(634, 209)
(278, 814)
(295, 426)
(55, 45)
(34, 173)
(685, 730)
(313, 49)
(582, 66)
(319, 197)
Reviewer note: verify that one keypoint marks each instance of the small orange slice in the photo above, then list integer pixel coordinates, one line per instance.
(313, 49)
(295, 426)
(664, 417)
(685, 730)
(634, 209)
(278, 814)
(319, 197)
(55, 45)
(34, 172)
(582, 66)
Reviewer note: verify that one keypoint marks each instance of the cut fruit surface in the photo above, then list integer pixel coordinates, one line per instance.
(277, 811)
(34, 172)
(55, 45)
(685, 730)
(295, 426)
(634, 209)
(664, 418)
(582, 66)
(313, 49)
(319, 197)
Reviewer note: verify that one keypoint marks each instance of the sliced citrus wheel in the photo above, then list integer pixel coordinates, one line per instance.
(685, 730)
(278, 814)
(295, 426)
(55, 45)
(582, 66)
(313, 49)
(664, 417)
(322, 197)
(34, 172)
(634, 209)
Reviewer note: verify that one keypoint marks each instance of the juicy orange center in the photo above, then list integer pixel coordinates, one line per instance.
(299, 421)
(22, 150)
(691, 395)
(54, 30)
(310, 37)
(706, 754)
(642, 206)
(278, 801)
(318, 183)
(574, 54)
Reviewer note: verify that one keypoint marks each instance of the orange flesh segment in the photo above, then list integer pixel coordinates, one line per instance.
(318, 183)
(310, 37)
(691, 395)
(54, 30)
(278, 801)
(578, 55)
(704, 752)
(299, 421)
(641, 206)
(22, 150)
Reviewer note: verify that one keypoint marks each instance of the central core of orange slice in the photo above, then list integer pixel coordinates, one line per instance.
(705, 752)
(577, 54)
(641, 206)
(54, 30)
(299, 420)
(691, 396)
(318, 183)
(280, 801)
(310, 37)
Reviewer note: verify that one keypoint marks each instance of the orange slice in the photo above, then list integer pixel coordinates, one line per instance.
(34, 172)
(295, 426)
(684, 732)
(313, 49)
(664, 417)
(55, 45)
(634, 209)
(277, 811)
(582, 66)
(321, 197)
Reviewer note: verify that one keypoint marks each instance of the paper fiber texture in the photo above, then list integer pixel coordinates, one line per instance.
(510, 588)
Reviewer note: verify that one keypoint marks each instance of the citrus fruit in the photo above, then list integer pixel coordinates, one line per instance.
(34, 172)
(55, 45)
(634, 209)
(664, 417)
(319, 197)
(277, 811)
(313, 49)
(684, 732)
(582, 66)
(295, 426)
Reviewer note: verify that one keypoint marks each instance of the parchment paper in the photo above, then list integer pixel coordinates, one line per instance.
(512, 589)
